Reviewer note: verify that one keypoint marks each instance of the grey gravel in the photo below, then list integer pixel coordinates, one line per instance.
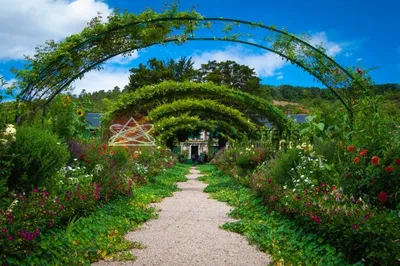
(187, 233)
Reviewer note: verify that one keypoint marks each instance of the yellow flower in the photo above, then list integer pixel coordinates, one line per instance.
(66, 100)
(79, 112)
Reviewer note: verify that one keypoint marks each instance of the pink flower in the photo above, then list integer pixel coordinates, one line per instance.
(355, 226)
(359, 71)
(4, 230)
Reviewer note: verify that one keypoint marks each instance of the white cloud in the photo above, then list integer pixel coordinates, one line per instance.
(348, 54)
(123, 60)
(265, 64)
(106, 79)
(359, 59)
(28, 23)
(320, 38)
(279, 75)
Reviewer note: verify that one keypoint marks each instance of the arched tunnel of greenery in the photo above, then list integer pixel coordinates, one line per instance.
(145, 99)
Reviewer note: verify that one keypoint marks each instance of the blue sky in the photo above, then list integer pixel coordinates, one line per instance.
(357, 33)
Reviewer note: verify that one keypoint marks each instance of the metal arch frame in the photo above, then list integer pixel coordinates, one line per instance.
(26, 93)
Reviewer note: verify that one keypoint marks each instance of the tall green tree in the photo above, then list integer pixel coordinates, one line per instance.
(231, 74)
(156, 71)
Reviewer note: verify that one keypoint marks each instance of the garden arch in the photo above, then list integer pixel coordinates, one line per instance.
(57, 65)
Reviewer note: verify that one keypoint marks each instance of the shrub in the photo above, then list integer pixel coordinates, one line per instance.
(38, 155)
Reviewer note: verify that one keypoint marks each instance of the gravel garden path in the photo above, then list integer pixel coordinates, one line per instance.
(187, 233)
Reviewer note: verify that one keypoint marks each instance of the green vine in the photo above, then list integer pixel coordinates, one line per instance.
(205, 109)
(145, 99)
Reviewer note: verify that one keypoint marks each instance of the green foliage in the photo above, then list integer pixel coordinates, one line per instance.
(38, 155)
(272, 233)
(279, 169)
(144, 99)
(107, 226)
(65, 118)
(156, 71)
(230, 74)
(206, 109)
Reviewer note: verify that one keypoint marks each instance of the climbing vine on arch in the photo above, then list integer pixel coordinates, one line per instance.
(148, 97)
(205, 109)
(57, 65)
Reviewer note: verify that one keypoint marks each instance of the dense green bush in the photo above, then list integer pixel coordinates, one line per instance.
(38, 156)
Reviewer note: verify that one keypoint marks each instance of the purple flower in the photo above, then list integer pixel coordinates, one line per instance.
(10, 237)
(35, 190)
(4, 230)
(62, 207)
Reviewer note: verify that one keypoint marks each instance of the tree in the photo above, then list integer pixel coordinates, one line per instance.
(231, 74)
(156, 71)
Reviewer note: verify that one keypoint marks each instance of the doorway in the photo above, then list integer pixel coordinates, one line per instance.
(194, 152)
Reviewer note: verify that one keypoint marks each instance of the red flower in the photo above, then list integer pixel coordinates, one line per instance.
(341, 109)
(382, 197)
(375, 160)
(317, 219)
(389, 169)
(333, 188)
(398, 161)
(112, 153)
(82, 156)
(355, 226)
(351, 148)
(269, 180)
(363, 152)
(359, 71)
(104, 146)
(323, 185)
(356, 160)
(367, 216)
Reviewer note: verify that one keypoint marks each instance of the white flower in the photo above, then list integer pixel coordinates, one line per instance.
(3, 141)
(10, 125)
(75, 159)
(284, 187)
(294, 190)
(10, 131)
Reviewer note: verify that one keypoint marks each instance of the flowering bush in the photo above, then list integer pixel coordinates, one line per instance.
(38, 155)
(6, 161)
(66, 118)
(375, 179)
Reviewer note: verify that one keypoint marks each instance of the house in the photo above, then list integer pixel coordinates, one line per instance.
(198, 143)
